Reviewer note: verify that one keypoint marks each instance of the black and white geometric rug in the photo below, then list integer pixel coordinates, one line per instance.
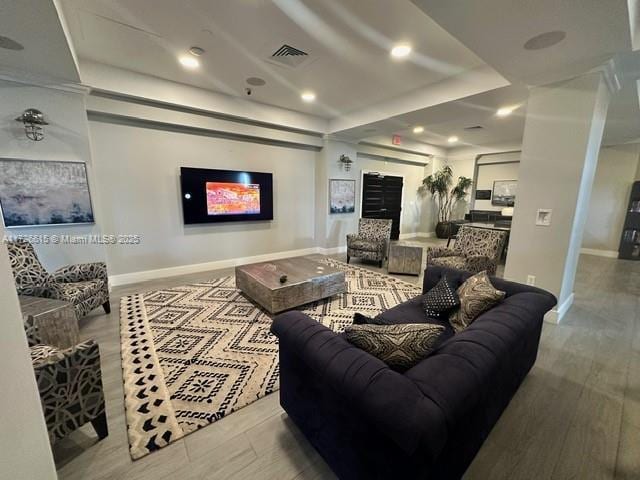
(194, 354)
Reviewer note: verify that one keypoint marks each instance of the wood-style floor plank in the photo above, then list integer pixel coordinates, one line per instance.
(577, 414)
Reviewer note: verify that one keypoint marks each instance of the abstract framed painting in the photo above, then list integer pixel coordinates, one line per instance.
(39, 193)
(342, 196)
(504, 192)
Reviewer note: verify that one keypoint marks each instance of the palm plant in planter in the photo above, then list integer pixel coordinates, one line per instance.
(446, 195)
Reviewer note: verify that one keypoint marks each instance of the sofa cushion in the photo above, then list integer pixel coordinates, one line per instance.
(399, 346)
(79, 291)
(441, 299)
(43, 354)
(457, 262)
(477, 295)
(366, 245)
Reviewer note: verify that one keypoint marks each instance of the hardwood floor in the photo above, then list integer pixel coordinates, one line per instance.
(576, 416)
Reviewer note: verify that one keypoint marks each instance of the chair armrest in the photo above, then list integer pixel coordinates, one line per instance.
(71, 388)
(385, 398)
(435, 252)
(81, 272)
(478, 263)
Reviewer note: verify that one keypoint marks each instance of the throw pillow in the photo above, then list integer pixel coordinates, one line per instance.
(440, 299)
(360, 319)
(399, 346)
(477, 295)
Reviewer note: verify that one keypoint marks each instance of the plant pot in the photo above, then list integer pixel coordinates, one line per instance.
(442, 229)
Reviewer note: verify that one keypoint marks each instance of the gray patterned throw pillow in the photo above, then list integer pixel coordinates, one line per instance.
(399, 346)
(477, 295)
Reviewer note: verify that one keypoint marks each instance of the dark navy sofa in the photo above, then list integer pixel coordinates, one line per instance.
(371, 422)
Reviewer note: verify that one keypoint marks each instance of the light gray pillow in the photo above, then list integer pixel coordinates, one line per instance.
(400, 346)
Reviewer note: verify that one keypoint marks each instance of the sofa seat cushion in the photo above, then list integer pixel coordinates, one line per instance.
(78, 292)
(399, 346)
(455, 261)
(366, 245)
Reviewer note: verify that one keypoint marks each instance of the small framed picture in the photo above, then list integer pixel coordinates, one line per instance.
(342, 196)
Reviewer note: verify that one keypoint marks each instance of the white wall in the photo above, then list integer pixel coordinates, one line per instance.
(66, 138)
(615, 174)
(138, 172)
(24, 445)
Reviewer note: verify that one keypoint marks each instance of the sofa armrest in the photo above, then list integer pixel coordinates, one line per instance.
(435, 252)
(81, 272)
(385, 398)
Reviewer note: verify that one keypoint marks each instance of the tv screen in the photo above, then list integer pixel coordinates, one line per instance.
(225, 195)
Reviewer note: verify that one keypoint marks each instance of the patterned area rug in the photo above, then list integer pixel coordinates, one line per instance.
(193, 354)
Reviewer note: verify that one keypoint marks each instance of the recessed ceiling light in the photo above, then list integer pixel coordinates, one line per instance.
(418, 129)
(308, 96)
(401, 50)
(505, 111)
(545, 40)
(256, 81)
(197, 51)
(452, 139)
(189, 61)
(10, 44)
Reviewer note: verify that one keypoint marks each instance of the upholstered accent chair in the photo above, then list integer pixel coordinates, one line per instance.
(475, 250)
(372, 240)
(84, 285)
(70, 386)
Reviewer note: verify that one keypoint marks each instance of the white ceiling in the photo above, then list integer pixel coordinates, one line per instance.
(36, 25)
(348, 42)
(497, 30)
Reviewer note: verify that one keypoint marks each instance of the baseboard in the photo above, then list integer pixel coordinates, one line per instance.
(332, 250)
(557, 314)
(406, 236)
(599, 253)
(146, 275)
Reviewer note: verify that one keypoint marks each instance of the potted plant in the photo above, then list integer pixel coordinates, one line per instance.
(446, 195)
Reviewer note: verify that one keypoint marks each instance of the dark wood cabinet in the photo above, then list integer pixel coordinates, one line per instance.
(382, 198)
(630, 241)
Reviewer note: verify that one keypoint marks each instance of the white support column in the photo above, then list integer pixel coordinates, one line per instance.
(562, 136)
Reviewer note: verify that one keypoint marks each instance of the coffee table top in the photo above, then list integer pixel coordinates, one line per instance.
(298, 270)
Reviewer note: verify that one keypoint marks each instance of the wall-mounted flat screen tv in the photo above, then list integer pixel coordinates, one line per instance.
(212, 196)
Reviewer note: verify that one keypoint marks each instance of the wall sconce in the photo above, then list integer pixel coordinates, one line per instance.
(33, 120)
(346, 162)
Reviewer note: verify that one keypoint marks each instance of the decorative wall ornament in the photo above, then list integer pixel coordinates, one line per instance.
(342, 196)
(346, 162)
(34, 193)
(33, 120)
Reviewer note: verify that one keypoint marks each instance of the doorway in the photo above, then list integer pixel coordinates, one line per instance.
(382, 198)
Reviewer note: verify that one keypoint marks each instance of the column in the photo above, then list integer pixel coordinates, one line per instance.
(562, 135)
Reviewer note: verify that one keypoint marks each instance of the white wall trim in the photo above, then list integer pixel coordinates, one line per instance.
(332, 250)
(406, 236)
(557, 314)
(599, 253)
(146, 275)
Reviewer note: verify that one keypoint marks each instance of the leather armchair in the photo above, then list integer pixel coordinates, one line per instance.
(84, 285)
(475, 250)
(372, 240)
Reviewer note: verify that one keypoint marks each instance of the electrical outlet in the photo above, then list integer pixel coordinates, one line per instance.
(531, 280)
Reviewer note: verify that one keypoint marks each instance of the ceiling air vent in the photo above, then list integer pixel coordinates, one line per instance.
(474, 127)
(289, 56)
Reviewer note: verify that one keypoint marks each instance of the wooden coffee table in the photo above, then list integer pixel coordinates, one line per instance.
(307, 281)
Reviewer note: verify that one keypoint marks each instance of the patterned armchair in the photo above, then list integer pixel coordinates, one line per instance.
(70, 386)
(372, 240)
(475, 250)
(84, 285)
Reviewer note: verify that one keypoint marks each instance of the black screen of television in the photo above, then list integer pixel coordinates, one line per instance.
(197, 208)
